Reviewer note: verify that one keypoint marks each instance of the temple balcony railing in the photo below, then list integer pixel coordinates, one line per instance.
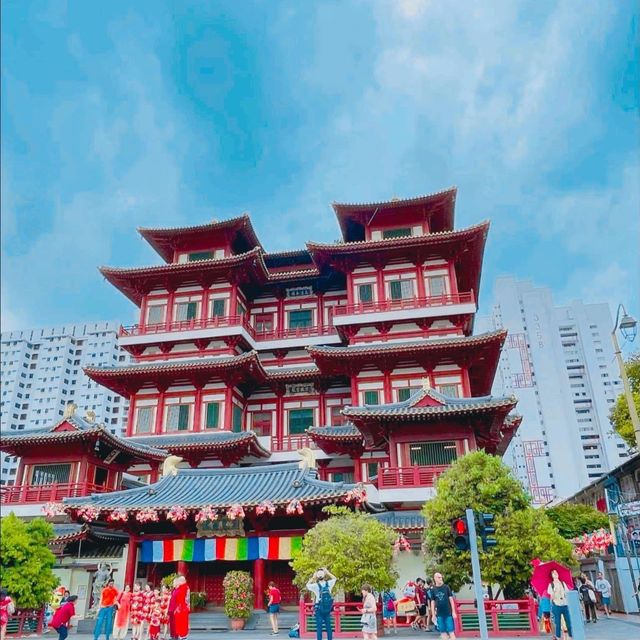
(409, 477)
(217, 322)
(406, 304)
(41, 493)
(292, 442)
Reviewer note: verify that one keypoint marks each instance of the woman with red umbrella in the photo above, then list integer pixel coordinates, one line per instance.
(557, 591)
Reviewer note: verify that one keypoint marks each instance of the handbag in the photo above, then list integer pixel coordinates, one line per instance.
(592, 596)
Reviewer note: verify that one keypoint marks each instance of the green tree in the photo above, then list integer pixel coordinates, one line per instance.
(573, 520)
(26, 562)
(355, 547)
(484, 483)
(619, 416)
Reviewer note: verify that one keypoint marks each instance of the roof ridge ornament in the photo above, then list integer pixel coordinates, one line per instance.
(308, 458)
(69, 410)
(90, 416)
(426, 384)
(170, 466)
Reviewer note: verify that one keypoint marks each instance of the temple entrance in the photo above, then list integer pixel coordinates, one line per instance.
(210, 576)
(282, 574)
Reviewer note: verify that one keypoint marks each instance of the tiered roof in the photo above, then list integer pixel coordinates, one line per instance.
(340, 440)
(221, 488)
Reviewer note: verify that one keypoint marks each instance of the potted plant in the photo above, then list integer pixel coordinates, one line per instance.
(238, 598)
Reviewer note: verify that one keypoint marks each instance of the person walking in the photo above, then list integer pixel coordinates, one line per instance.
(557, 591)
(182, 608)
(62, 617)
(604, 587)
(104, 620)
(121, 621)
(421, 605)
(273, 606)
(389, 617)
(588, 595)
(443, 608)
(321, 585)
(369, 609)
(7, 609)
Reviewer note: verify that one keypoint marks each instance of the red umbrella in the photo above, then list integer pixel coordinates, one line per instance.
(541, 577)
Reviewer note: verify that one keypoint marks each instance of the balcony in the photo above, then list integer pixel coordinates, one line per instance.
(384, 306)
(292, 442)
(39, 494)
(409, 477)
(199, 328)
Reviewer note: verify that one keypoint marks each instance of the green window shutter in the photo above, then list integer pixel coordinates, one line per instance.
(396, 233)
(404, 394)
(428, 454)
(192, 309)
(300, 319)
(200, 255)
(365, 293)
(236, 419)
(218, 307)
(300, 420)
(395, 289)
(371, 397)
(449, 390)
(213, 415)
(183, 417)
(436, 286)
(240, 310)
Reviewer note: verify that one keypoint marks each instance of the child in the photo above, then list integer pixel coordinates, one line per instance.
(154, 623)
(165, 597)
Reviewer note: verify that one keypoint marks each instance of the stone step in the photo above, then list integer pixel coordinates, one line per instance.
(216, 621)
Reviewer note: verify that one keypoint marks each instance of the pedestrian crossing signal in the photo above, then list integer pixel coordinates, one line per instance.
(460, 534)
(487, 530)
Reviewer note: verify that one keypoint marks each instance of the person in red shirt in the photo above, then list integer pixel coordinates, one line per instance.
(273, 606)
(62, 617)
(108, 602)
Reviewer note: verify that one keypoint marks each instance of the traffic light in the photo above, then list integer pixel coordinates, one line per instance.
(460, 532)
(487, 530)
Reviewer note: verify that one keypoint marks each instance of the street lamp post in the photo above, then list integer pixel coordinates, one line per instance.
(628, 328)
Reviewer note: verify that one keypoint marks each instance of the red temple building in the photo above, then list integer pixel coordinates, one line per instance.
(359, 352)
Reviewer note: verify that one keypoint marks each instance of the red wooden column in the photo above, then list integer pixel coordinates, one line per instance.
(159, 412)
(280, 295)
(228, 407)
(204, 306)
(420, 281)
(349, 287)
(322, 405)
(320, 312)
(387, 386)
(453, 283)
(280, 415)
(357, 470)
(197, 410)
(132, 561)
(130, 414)
(233, 300)
(143, 312)
(170, 301)
(258, 583)
(354, 390)
(379, 266)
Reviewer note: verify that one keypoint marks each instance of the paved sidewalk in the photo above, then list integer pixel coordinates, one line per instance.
(618, 627)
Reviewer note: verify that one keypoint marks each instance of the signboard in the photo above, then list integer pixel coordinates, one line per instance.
(300, 389)
(221, 527)
(627, 509)
(299, 292)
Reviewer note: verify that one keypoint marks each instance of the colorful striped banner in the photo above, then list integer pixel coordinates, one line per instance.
(209, 549)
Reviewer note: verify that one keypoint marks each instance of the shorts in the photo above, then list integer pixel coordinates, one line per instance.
(606, 600)
(273, 608)
(369, 623)
(422, 609)
(445, 624)
(388, 615)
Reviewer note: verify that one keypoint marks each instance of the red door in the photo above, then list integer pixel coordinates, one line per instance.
(282, 574)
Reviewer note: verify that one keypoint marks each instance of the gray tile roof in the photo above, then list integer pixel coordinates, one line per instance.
(401, 520)
(219, 439)
(221, 488)
(346, 431)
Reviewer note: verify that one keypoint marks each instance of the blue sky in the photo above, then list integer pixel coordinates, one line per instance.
(123, 114)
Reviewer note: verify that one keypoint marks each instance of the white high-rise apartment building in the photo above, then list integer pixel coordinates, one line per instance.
(559, 362)
(42, 372)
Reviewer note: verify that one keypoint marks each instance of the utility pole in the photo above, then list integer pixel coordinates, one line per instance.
(475, 570)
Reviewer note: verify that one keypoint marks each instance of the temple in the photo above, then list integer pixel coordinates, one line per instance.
(266, 386)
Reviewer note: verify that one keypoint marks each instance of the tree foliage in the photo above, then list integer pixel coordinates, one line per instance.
(484, 483)
(355, 547)
(26, 562)
(619, 416)
(573, 520)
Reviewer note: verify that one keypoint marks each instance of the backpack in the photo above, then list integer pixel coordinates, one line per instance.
(390, 605)
(325, 601)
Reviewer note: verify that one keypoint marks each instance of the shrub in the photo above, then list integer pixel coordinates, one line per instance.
(238, 594)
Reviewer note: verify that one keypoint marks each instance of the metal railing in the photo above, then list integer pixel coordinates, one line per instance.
(406, 303)
(408, 477)
(34, 494)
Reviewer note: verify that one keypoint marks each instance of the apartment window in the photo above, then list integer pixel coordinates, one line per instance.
(200, 255)
(217, 307)
(186, 311)
(449, 390)
(427, 454)
(401, 289)
(264, 322)
(212, 416)
(178, 417)
(365, 293)
(337, 419)
(437, 285)
(399, 232)
(145, 418)
(236, 419)
(300, 420)
(372, 397)
(50, 474)
(261, 422)
(300, 319)
(155, 315)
